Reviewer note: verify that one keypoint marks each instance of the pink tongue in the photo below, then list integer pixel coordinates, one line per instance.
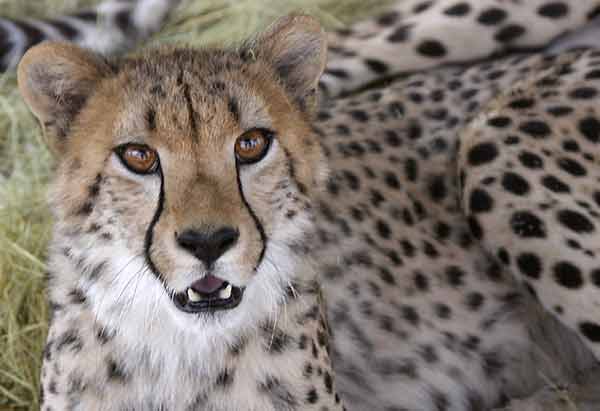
(208, 284)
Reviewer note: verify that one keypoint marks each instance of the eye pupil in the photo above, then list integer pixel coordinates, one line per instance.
(247, 144)
(139, 158)
(251, 146)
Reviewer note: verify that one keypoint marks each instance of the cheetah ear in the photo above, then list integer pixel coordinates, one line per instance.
(55, 80)
(296, 46)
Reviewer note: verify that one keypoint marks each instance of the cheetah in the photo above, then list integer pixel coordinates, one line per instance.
(224, 240)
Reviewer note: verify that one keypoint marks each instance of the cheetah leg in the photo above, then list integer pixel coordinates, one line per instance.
(417, 35)
(529, 176)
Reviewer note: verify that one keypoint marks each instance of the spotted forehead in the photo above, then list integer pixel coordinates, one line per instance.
(198, 97)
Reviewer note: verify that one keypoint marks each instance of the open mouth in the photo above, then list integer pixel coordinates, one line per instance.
(207, 295)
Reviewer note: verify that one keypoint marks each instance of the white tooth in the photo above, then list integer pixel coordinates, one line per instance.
(225, 293)
(193, 295)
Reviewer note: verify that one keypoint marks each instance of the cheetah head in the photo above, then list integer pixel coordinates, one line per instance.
(185, 177)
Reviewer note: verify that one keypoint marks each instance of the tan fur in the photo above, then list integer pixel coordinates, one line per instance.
(189, 106)
(419, 242)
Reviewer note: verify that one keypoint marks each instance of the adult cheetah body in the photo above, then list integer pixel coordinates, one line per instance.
(455, 196)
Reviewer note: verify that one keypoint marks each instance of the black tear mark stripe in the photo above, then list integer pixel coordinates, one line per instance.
(159, 209)
(155, 218)
(257, 223)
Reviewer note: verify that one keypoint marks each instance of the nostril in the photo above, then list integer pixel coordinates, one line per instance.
(208, 246)
(189, 239)
(227, 237)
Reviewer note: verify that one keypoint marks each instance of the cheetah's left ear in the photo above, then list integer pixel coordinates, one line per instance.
(296, 46)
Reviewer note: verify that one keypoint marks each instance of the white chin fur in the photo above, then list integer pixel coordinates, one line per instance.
(136, 304)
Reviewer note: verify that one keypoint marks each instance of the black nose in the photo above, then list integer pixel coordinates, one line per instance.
(208, 246)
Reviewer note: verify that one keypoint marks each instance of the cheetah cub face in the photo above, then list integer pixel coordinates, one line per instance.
(183, 190)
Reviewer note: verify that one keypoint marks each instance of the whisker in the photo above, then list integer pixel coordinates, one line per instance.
(111, 283)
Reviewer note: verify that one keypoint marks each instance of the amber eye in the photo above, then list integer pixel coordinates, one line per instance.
(138, 158)
(252, 146)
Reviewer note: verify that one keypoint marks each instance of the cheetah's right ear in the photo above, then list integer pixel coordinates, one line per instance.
(55, 80)
(296, 46)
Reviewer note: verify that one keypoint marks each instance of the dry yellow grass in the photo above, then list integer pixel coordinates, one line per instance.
(25, 166)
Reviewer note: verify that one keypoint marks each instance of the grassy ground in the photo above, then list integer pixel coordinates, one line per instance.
(25, 166)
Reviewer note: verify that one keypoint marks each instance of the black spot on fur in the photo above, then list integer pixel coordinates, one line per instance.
(527, 225)
(458, 9)
(440, 401)
(575, 221)
(530, 265)
(480, 201)
(492, 364)
(376, 66)
(115, 372)
(531, 160)
(522, 103)
(410, 315)
(482, 153)
(278, 393)
(583, 93)
(234, 109)
(158, 91)
(421, 7)
(492, 16)
(104, 335)
(328, 382)
(224, 379)
(560, 111)
(568, 275)
(509, 33)
(359, 115)
(188, 99)
(97, 270)
(400, 34)
(535, 128)
(77, 296)
(432, 48)
(388, 19)
(312, 396)
(590, 128)
(455, 275)
(553, 10)
(474, 300)
(86, 209)
(437, 189)
(571, 166)
(554, 184)
(515, 184)
(94, 189)
(499, 121)
(276, 340)
(591, 331)
(69, 339)
(238, 346)
(151, 119)
(421, 281)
